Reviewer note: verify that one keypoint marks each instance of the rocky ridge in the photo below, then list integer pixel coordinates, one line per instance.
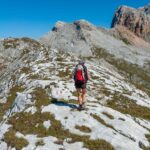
(136, 20)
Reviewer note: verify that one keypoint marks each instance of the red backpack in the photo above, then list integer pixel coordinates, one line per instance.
(80, 73)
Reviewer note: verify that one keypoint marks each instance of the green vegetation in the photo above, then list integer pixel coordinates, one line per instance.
(13, 141)
(14, 42)
(27, 123)
(59, 142)
(11, 43)
(24, 51)
(108, 115)
(33, 124)
(36, 45)
(59, 59)
(34, 76)
(105, 91)
(74, 93)
(40, 143)
(41, 97)
(25, 70)
(65, 74)
(83, 128)
(148, 137)
(127, 106)
(97, 145)
(10, 99)
(94, 77)
(126, 41)
(99, 119)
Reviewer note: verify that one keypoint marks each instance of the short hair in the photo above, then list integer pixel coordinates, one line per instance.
(81, 61)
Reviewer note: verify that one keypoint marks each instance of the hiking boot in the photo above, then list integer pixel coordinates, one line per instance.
(80, 107)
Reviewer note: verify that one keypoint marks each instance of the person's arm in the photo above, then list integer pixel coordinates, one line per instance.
(88, 75)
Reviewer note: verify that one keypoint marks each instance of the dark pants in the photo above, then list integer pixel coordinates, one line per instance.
(80, 84)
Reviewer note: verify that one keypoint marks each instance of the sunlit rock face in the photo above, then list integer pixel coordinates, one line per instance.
(136, 20)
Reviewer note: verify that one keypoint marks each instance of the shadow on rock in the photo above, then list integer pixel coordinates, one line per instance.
(62, 103)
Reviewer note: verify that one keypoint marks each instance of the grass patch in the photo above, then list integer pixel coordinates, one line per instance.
(74, 93)
(99, 119)
(127, 106)
(59, 59)
(24, 52)
(25, 70)
(10, 99)
(26, 124)
(13, 141)
(10, 43)
(148, 137)
(94, 77)
(126, 41)
(35, 44)
(108, 115)
(40, 143)
(62, 74)
(105, 91)
(65, 74)
(83, 128)
(98, 145)
(34, 76)
(41, 97)
(59, 142)
(73, 101)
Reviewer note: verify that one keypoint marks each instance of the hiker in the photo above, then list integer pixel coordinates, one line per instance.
(81, 76)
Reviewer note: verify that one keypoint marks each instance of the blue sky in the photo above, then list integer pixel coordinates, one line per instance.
(34, 18)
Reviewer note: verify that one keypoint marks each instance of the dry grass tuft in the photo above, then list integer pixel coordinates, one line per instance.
(127, 106)
(83, 128)
(13, 141)
(108, 115)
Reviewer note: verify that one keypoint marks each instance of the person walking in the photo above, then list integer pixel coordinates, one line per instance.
(81, 76)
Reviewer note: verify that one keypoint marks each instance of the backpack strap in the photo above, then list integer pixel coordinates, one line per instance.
(74, 72)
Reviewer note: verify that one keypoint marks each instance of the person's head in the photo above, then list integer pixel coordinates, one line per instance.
(81, 62)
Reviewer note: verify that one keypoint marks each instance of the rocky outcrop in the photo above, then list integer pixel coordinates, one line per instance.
(136, 20)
